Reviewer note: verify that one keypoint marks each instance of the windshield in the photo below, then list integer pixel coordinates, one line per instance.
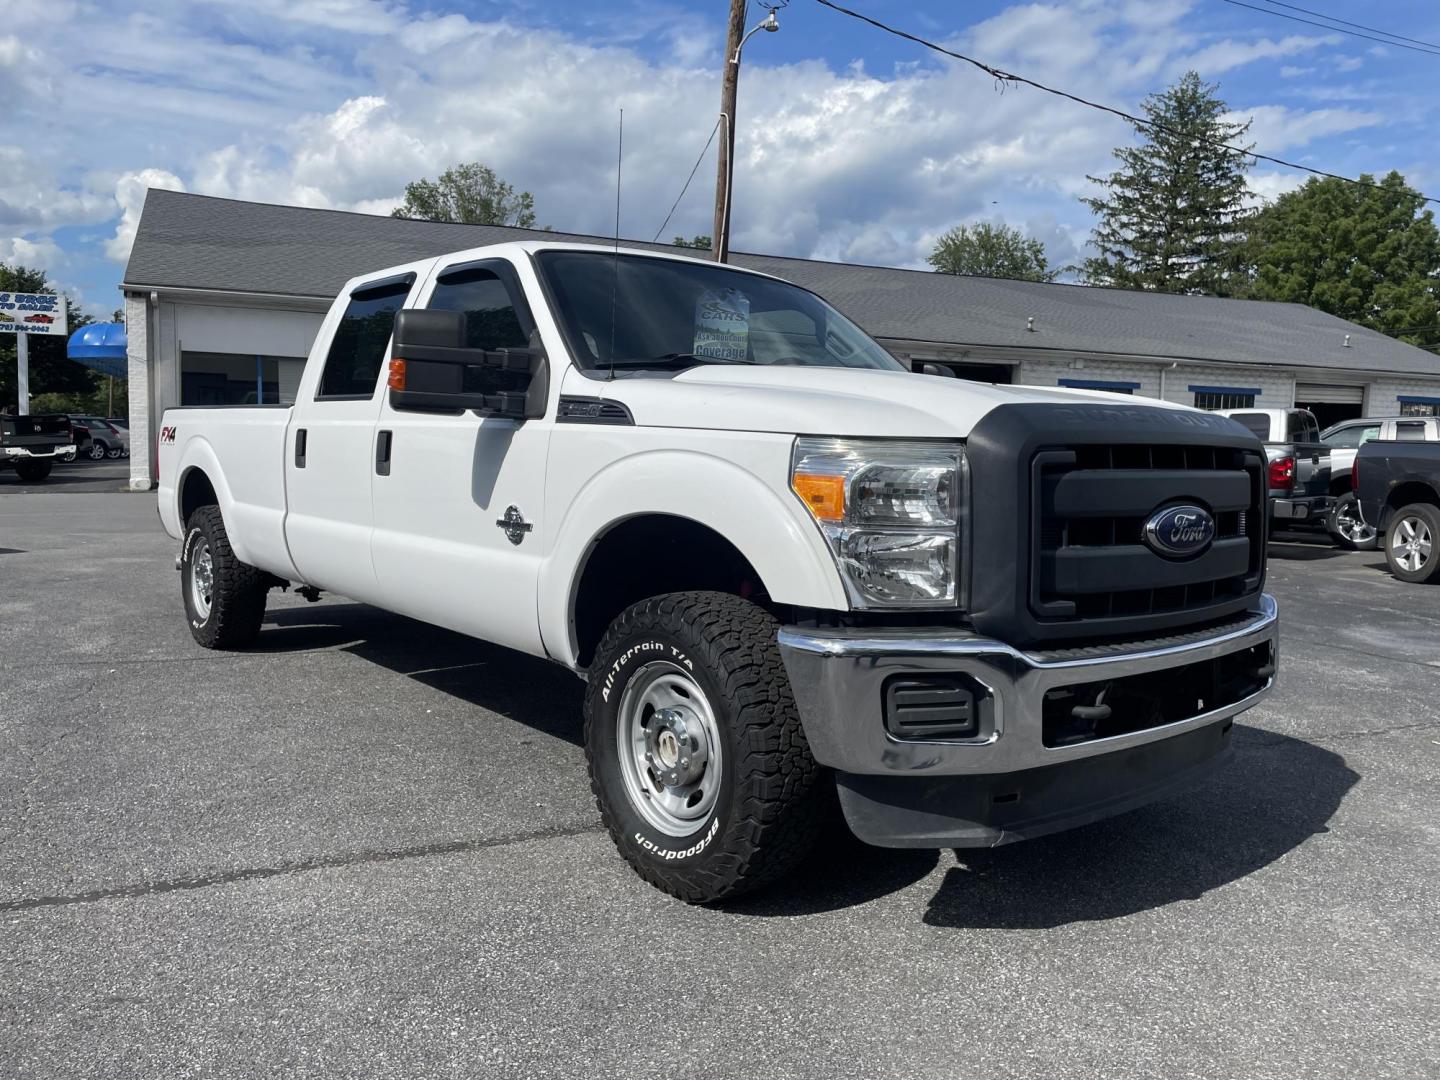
(668, 314)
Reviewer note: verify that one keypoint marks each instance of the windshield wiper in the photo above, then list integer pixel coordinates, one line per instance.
(674, 359)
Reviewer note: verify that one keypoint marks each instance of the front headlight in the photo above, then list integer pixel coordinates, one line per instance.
(892, 513)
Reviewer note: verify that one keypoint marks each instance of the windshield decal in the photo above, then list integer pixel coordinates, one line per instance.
(722, 324)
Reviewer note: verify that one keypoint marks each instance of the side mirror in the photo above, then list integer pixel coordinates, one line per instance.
(944, 371)
(433, 370)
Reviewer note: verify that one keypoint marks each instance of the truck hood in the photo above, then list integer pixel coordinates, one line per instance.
(822, 401)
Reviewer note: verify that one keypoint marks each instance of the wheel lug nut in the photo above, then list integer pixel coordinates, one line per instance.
(684, 761)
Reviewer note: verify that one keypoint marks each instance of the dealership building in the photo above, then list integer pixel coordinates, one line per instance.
(223, 299)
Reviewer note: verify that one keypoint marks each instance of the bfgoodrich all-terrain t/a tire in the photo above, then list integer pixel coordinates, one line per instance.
(697, 758)
(224, 598)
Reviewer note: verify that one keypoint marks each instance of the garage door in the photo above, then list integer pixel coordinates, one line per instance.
(1329, 394)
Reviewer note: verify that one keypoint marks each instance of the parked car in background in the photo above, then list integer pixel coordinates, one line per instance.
(105, 439)
(1347, 526)
(1398, 484)
(30, 444)
(1298, 471)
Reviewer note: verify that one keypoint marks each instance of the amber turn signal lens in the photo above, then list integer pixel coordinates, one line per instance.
(397, 374)
(824, 495)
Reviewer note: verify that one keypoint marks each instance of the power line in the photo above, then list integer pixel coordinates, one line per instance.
(1334, 29)
(1009, 77)
(1358, 26)
(686, 188)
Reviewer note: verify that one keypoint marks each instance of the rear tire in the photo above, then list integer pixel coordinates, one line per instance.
(33, 470)
(68, 456)
(1347, 528)
(114, 453)
(224, 597)
(698, 761)
(1412, 544)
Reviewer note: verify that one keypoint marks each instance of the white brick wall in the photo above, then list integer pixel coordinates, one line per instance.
(1383, 397)
(142, 433)
(1277, 388)
(1048, 372)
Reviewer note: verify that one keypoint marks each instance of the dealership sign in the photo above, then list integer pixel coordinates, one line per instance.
(33, 313)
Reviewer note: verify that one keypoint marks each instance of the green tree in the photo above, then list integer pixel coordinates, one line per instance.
(987, 250)
(701, 242)
(51, 371)
(1173, 213)
(1367, 254)
(470, 193)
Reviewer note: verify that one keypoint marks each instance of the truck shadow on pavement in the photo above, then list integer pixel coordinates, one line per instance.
(1278, 792)
(534, 692)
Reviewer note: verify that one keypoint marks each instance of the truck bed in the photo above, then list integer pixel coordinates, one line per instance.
(250, 440)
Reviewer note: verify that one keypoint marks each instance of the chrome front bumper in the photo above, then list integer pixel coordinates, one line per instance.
(838, 675)
(1005, 784)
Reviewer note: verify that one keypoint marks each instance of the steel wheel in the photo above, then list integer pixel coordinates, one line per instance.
(1350, 525)
(669, 748)
(1410, 543)
(202, 578)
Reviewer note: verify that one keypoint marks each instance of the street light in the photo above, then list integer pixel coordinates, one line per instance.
(725, 166)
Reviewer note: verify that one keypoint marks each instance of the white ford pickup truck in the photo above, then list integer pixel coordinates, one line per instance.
(786, 566)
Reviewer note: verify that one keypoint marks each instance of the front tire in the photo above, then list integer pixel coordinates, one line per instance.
(68, 456)
(96, 452)
(33, 470)
(698, 761)
(1412, 543)
(1347, 528)
(224, 597)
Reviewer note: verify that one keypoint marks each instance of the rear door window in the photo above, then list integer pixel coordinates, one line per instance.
(357, 351)
(1410, 431)
(1258, 422)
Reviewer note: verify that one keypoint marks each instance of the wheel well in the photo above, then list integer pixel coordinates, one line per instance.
(1340, 485)
(1412, 491)
(195, 491)
(649, 555)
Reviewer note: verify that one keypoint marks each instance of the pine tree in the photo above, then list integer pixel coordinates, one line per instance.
(1172, 213)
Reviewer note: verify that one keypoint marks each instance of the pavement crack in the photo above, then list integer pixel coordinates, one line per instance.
(253, 873)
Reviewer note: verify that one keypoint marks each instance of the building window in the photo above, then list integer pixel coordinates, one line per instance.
(1419, 406)
(1101, 384)
(1225, 397)
(208, 378)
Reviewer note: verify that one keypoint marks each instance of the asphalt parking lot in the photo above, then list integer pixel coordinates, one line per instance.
(368, 848)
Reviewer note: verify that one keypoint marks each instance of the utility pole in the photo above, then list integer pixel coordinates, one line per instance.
(724, 170)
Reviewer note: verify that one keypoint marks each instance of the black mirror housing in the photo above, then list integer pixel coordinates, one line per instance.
(433, 370)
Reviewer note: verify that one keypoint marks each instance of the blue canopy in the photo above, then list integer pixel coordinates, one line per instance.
(100, 346)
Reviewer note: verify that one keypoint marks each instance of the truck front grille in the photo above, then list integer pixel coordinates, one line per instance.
(1091, 504)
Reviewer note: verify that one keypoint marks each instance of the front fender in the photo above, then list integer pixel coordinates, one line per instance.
(769, 527)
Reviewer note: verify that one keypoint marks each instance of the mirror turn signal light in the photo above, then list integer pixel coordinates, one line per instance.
(823, 495)
(396, 380)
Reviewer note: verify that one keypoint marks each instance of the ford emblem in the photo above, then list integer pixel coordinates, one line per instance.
(1179, 531)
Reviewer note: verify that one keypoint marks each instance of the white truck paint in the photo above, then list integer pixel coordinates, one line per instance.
(659, 494)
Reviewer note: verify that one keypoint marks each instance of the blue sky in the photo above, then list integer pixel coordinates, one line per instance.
(851, 144)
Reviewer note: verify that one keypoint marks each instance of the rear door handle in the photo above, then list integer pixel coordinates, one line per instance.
(300, 448)
(382, 453)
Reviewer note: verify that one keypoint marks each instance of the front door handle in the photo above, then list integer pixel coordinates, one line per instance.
(382, 453)
(300, 448)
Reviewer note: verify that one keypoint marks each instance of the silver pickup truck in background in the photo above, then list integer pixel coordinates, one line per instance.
(1298, 464)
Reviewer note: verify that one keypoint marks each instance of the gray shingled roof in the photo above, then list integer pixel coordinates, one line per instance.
(195, 241)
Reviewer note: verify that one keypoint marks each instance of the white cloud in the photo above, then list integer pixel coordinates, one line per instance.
(1289, 71)
(1349, 63)
(1275, 128)
(1226, 55)
(130, 192)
